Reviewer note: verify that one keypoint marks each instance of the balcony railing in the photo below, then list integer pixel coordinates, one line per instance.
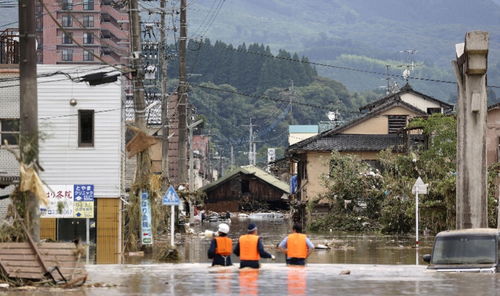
(9, 46)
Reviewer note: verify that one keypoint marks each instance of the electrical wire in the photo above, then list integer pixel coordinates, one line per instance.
(236, 49)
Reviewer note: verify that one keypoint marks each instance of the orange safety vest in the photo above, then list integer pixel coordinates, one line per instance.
(296, 245)
(224, 246)
(248, 247)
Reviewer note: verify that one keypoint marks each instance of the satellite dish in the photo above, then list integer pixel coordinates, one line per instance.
(332, 115)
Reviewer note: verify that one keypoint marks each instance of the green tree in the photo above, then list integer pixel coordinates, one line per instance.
(353, 194)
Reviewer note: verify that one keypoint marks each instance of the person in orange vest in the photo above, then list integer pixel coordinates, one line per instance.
(221, 247)
(296, 246)
(250, 248)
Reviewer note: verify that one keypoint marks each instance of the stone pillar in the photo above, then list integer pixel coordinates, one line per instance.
(470, 69)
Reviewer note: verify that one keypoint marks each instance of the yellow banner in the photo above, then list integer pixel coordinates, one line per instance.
(83, 209)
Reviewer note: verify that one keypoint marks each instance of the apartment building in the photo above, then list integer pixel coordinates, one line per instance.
(100, 26)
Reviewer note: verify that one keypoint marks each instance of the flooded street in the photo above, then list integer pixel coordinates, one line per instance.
(345, 248)
(277, 279)
(376, 265)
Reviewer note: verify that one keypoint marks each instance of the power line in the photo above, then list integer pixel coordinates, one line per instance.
(241, 50)
(263, 97)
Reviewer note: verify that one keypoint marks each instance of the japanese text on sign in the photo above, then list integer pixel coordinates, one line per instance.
(146, 229)
(69, 201)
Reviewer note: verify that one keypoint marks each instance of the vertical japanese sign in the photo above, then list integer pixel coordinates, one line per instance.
(60, 202)
(83, 204)
(146, 229)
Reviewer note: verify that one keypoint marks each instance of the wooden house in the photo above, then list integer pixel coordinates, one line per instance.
(247, 188)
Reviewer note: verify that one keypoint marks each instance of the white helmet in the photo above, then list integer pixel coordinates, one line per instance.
(224, 228)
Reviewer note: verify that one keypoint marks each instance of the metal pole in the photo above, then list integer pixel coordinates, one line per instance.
(172, 225)
(416, 218)
(29, 103)
(87, 233)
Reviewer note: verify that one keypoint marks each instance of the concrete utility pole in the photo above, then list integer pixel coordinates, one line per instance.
(251, 144)
(138, 74)
(29, 103)
(470, 69)
(164, 98)
(191, 158)
(182, 95)
(232, 156)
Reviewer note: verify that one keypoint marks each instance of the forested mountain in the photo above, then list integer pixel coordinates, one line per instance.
(359, 33)
(232, 84)
(250, 70)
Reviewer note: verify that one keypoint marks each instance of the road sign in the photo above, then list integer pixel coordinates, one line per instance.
(171, 198)
(419, 187)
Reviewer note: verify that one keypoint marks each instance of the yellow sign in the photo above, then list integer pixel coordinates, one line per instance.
(83, 209)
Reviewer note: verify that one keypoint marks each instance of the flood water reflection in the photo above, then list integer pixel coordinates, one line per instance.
(357, 265)
(345, 248)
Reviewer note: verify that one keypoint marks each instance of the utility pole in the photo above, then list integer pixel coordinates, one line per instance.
(182, 95)
(220, 163)
(471, 66)
(254, 153)
(164, 98)
(29, 104)
(232, 156)
(251, 146)
(138, 74)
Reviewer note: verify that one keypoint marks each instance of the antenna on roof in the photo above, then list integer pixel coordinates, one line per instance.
(392, 85)
(410, 63)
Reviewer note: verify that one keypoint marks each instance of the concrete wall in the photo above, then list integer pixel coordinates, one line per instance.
(297, 137)
(379, 124)
(419, 102)
(492, 136)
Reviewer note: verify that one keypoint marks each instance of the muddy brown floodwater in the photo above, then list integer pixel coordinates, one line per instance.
(377, 265)
(346, 248)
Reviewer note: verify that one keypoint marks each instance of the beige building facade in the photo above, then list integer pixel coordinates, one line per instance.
(380, 128)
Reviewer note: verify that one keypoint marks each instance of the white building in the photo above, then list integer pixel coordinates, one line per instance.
(9, 130)
(82, 143)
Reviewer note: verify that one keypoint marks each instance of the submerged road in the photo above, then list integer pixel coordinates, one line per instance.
(278, 279)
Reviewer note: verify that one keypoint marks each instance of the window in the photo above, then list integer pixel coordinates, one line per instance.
(9, 131)
(88, 55)
(88, 4)
(67, 21)
(66, 38)
(88, 21)
(396, 123)
(245, 186)
(67, 55)
(85, 128)
(431, 111)
(67, 4)
(88, 38)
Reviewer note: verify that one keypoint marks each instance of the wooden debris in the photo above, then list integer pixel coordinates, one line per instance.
(41, 261)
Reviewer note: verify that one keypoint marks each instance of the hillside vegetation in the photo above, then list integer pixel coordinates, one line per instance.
(329, 30)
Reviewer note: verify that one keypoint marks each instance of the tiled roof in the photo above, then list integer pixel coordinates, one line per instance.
(250, 170)
(354, 143)
(388, 105)
(396, 96)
